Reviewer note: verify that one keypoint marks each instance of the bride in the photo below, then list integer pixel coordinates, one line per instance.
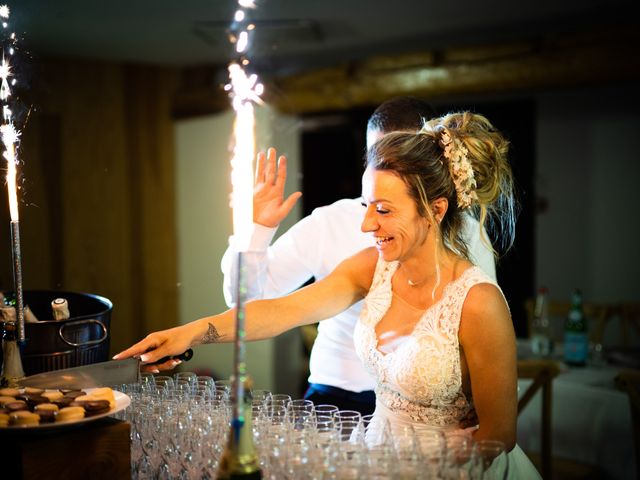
(435, 330)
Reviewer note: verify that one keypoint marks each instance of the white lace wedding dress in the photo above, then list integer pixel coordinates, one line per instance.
(420, 382)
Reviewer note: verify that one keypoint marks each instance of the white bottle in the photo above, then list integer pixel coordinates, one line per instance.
(60, 309)
(541, 343)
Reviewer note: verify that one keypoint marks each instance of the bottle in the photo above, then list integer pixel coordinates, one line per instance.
(11, 361)
(541, 344)
(60, 309)
(29, 316)
(576, 339)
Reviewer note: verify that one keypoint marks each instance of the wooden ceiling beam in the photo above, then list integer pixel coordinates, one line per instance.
(594, 58)
(583, 58)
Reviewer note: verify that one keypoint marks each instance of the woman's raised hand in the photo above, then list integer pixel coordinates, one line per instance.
(269, 204)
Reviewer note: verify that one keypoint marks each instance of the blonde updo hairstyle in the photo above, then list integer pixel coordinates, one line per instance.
(418, 158)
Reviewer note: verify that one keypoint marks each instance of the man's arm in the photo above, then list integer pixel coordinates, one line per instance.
(279, 269)
(269, 209)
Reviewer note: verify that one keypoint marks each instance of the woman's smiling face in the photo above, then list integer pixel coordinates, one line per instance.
(391, 215)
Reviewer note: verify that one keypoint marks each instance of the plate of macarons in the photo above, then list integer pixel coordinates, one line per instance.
(37, 408)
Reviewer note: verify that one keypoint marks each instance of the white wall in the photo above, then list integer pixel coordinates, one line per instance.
(588, 158)
(204, 225)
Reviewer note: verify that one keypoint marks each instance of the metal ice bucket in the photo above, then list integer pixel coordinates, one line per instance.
(53, 344)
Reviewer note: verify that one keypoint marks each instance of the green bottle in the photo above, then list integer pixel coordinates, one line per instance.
(576, 339)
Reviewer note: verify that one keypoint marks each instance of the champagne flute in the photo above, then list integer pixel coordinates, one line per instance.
(492, 461)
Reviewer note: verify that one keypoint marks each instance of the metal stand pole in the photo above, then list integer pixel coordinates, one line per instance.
(17, 279)
(239, 460)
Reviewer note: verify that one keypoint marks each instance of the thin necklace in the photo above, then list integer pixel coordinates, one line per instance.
(411, 282)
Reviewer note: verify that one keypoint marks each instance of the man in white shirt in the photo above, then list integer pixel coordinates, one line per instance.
(313, 247)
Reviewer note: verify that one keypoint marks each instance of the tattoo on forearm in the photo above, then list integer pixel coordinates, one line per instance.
(212, 335)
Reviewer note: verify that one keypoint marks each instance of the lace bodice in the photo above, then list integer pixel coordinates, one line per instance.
(421, 379)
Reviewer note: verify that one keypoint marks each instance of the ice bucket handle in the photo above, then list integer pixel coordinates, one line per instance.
(80, 322)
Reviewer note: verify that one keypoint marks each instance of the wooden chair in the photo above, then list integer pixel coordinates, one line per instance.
(542, 372)
(629, 320)
(629, 381)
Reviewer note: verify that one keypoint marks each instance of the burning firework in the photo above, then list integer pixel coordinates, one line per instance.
(12, 364)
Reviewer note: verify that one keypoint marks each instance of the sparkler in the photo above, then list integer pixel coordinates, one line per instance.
(10, 140)
(240, 461)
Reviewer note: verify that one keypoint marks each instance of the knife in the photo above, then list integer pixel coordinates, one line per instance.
(184, 356)
(103, 374)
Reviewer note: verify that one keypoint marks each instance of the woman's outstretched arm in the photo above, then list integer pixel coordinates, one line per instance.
(347, 284)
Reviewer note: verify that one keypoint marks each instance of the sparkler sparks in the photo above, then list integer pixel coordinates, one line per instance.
(9, 139)
(245, 90)
(9, 133)
(5, 73)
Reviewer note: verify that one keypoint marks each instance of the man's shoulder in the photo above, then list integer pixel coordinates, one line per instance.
(470, 228)
(469, 220)
(339, 225)
(344, 204)
(345, 208)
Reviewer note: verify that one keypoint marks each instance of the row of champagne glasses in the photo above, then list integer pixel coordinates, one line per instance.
(180, 423)
(179, 426)
(322, 442)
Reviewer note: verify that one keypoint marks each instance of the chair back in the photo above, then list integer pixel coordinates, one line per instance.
(629, 381)
(629, 322)
(542, 372)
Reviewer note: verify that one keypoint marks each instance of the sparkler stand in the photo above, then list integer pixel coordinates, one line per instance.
(239, 460)
(12, 362)
(17, 277)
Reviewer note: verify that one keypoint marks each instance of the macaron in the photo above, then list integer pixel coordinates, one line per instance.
(74, 393)
(33, 390)
(9, 392)
(104, 393)
(4, 399)
(63, 401)
(24, 417)
(16, 406)
(32, 400)
(93, 407)
(68, 414)
(46, 416)
(52, 395)
(46, 406)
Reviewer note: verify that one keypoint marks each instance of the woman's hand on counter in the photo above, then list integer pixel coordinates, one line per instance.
(157, 345)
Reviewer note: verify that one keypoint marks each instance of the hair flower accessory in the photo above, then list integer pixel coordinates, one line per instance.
(460, 169)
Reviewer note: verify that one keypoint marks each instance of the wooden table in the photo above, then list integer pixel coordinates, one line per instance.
(591, 421)
(95, 450)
